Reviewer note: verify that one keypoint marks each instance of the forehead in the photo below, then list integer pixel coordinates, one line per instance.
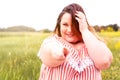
(66, 16)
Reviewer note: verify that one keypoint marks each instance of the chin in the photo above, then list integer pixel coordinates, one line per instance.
(71, 41)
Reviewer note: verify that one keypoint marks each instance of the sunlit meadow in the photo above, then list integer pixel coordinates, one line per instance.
(19, 61)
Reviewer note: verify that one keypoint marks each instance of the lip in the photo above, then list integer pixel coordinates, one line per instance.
(69, 35)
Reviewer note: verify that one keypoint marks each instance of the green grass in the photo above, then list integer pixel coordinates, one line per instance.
(113, 41)
(19, 61)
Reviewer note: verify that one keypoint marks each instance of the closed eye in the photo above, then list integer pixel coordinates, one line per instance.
(65, 24)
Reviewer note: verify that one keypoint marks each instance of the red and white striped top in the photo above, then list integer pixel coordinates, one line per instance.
(78, 64)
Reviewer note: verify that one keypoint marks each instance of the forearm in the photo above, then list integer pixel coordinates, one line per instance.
(97, 50)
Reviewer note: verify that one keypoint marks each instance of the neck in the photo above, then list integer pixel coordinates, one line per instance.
(75, 42)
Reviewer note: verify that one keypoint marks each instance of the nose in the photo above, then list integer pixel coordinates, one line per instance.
(69, 29)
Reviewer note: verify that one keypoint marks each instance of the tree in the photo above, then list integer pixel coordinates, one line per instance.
(45, 31)
(115, 27)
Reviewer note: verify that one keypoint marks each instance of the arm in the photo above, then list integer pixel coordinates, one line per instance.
(52, 54)
(97, 50)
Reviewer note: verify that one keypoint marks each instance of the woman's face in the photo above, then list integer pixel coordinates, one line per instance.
(68, 30)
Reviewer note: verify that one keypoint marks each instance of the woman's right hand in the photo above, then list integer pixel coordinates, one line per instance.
(59, 52)
(52, 53)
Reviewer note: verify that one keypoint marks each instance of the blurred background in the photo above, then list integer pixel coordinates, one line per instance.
(24, 24)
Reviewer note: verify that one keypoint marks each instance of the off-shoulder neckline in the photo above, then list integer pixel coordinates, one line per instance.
(65, 43)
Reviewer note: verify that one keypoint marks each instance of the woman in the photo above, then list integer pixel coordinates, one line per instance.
(73, 51)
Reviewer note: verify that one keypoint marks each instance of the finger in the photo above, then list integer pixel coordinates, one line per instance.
(80, 15)
(77, 19)
(65, 51)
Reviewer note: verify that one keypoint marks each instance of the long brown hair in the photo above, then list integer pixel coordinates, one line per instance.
(71, 9)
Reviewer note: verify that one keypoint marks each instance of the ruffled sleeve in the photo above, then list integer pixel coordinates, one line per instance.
(49, 40)
(45, 41)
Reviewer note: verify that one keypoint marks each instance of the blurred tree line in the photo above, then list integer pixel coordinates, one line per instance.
(17, 29)
(108, 28)
(22, 29)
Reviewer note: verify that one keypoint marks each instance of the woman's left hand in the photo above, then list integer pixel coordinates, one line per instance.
(81, 18)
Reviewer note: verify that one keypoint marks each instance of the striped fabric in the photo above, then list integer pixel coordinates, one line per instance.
(78, 64)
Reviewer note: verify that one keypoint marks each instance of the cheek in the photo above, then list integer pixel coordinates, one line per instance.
(62, 30)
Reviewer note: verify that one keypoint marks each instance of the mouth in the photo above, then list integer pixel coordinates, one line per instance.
(69, 35)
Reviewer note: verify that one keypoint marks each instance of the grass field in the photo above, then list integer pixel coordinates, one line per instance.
(19, 61)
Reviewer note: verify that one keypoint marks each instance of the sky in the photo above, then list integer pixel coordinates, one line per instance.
(42, 14)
